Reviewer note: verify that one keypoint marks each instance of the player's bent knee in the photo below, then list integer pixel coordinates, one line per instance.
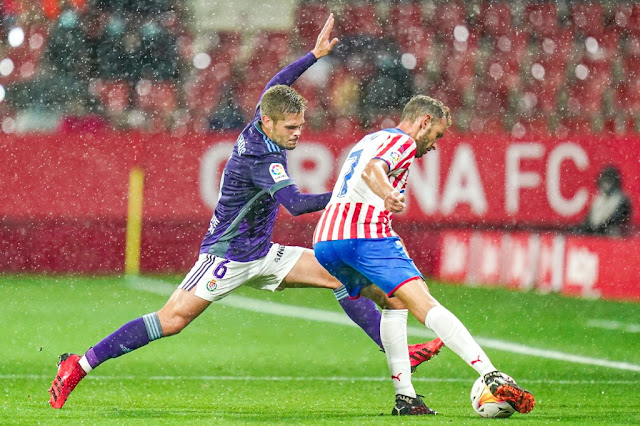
(393, 303)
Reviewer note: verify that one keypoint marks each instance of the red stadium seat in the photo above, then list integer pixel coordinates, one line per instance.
(586, 96)
(552, 58)
(309, 19)
(228, 47)
(26, 57)
(487, 124)
(203, 92)
(622, 17)
(545, 93)
(634, 22)
(530, 126)
(564, 39)
(609, 43)
(599, 69)
(513, 44)
(541, 18)
(552, 72)
(577, 125)
(405, 17)
(311, 93)
(269, 54)
(114, 95)
(626, 97)
(248, 96)
(588, 18)
(496, 19)
(451, 15)
(359, 19)
(631, 58)
(157, 97)
(185, 46)
(632, 66)
(492, 100)
(453, 98)
(418, 42)
(458, 68)
(270, 46)
(502, 72)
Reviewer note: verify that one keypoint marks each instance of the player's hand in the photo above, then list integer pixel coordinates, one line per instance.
(394, 202)
(324, 44)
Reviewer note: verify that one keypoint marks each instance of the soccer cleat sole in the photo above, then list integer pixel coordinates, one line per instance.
(521, 400)
(430, 412)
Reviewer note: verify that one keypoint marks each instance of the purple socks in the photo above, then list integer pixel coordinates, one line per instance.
(127, 338)
(363, 312)
(140, 331)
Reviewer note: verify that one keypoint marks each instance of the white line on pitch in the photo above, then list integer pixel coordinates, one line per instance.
(311, 378)
(614, 325)
(281, 309)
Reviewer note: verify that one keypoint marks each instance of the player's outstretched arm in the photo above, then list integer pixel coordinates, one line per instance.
(324, 42)
(289, 74)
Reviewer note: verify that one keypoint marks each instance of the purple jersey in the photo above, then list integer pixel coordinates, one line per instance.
(242, 223)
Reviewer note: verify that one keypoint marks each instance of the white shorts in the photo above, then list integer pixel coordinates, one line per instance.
(215, 277)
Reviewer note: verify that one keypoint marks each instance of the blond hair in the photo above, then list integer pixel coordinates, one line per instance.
(422, 105)
(279, 100)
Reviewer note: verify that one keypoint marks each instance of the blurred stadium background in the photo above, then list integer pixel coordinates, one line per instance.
(544, 94)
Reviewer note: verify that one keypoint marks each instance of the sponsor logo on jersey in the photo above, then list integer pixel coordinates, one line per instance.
(242, 146)
(212, 225)
(395, 156)
(212, 285)
(277, 172)
(279, 254)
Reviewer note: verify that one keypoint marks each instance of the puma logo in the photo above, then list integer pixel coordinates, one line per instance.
(477, 360)
(396, 377)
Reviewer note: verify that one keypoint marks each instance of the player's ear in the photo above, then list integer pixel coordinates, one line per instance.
(425, 121)
(267, 122)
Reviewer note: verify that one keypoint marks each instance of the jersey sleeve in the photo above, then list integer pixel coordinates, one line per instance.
(270, 173)
(396, 151)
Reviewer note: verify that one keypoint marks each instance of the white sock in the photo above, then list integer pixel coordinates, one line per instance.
(457, 338)
(393, 333)
(85, 364)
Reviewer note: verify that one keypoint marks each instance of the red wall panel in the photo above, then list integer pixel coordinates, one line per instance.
(63, 198)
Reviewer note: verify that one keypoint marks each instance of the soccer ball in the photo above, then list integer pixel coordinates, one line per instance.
(487, 405)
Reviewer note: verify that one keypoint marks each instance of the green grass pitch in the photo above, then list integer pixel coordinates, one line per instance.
(239, 366)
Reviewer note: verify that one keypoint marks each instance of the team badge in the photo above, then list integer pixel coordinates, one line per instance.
(212, 285)
(278, 174)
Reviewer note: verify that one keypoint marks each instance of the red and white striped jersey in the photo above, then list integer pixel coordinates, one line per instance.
(354, 210)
